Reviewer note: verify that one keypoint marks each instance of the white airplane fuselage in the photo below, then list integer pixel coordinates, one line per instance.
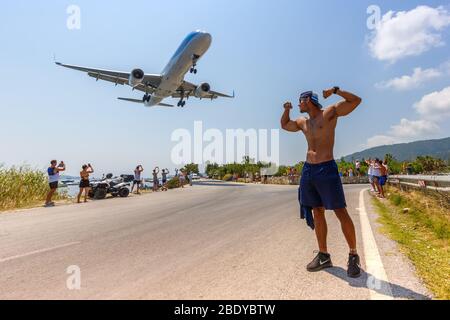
(193, 47)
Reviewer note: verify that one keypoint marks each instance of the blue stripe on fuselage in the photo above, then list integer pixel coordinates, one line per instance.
(185, 43)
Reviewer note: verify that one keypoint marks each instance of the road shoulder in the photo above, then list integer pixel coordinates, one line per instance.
(402, 276)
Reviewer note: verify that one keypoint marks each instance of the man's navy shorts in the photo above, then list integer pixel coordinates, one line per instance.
(321, 186)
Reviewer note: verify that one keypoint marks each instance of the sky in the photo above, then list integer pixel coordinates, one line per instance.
(267, 52)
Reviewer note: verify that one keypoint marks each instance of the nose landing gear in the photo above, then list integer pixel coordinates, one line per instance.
(195, 58)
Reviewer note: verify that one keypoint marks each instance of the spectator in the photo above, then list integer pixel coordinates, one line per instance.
(164, 174)
(383, 177)
(358, 168)
(182, 178)
(376, 177)
(84, 182)
(53, 178)
(350, 172)
(155, 179)
(137, 178)
(370, 174)
(191, 177)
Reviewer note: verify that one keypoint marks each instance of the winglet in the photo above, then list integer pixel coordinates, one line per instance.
(233, 93)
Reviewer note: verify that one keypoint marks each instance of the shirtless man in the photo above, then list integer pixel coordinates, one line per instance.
(320, 185)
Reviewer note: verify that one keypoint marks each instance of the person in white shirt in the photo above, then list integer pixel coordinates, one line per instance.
(53, 178)
(370, 174)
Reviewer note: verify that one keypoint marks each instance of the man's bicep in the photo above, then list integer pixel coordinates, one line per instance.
(342, 108)
(291, 126)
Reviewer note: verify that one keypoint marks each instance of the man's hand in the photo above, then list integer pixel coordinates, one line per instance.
(286, 123)
(287, 105)
(328, 92)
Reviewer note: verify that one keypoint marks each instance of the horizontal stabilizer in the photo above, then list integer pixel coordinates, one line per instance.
(165, 105)
(131, 100)
(140, 101)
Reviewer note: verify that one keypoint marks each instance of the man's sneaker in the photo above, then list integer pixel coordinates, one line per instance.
(353, 266)
(321, 261)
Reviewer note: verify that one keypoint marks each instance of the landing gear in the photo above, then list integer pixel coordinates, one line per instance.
(182, 103)
(195, 58)
(146, 98)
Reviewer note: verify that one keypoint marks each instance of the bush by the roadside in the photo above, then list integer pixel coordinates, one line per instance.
(227, 177)
(173, 183)
(23, 186)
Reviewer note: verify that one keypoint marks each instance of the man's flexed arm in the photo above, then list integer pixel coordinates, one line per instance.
(286, 122)
(344, 107)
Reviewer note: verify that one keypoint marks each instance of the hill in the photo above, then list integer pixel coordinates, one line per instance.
(438, 148)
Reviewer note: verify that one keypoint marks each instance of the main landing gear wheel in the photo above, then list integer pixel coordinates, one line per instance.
(146, 98)
(193, 70)
(181, 103)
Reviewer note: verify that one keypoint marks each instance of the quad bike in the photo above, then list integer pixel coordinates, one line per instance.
(117, 186)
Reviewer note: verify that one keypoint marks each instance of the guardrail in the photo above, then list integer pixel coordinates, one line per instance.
(435, 183)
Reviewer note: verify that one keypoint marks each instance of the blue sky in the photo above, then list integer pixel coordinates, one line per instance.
(267, 52)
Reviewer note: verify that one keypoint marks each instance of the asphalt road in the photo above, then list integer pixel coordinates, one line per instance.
(210, 241)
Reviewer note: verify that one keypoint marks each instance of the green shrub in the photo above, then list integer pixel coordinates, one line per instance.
(173, 183)
(396, 199)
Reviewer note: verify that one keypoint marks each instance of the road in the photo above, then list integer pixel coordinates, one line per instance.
(210, 241)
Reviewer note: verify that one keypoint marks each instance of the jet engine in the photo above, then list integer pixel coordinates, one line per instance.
(136, 77)
(202, 90)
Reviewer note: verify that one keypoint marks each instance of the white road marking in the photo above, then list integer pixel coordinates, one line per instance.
(38, 251)
(377, 283)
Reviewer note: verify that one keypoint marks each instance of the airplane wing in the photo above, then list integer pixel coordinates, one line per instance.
(118, 77)
(189, 88)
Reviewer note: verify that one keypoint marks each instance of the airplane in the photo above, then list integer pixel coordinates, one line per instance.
(170, 83)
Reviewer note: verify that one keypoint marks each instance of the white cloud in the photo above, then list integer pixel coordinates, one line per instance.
(408, 129)
(435, 105)
(379, 140)
(407, 82)
(405, 131)
(408, 33)
(432, 109)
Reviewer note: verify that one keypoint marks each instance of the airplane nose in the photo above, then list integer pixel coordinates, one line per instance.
(207, 37)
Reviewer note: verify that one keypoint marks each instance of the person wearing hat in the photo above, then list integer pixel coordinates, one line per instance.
(320, 185)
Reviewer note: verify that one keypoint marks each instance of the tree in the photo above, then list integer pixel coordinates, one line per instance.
(428, 164)
(211, 168)
(191, 168)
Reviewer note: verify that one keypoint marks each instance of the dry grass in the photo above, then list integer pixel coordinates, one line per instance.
(22, 187)
(423, 233)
